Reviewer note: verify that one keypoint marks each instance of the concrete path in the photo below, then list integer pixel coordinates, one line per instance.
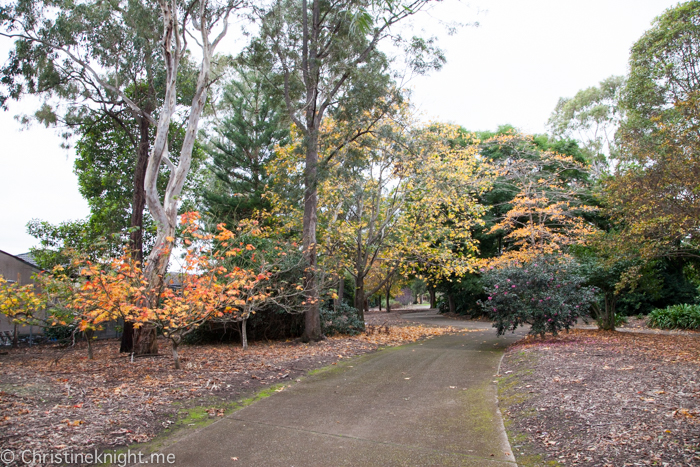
(425, 404)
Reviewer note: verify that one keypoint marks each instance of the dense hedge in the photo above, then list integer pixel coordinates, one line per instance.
(546, 293)
(343, 320)
(675, 317)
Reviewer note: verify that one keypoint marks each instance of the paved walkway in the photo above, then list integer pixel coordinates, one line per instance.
(425, 404)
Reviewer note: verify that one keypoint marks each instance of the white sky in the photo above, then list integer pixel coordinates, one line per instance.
(511, 69)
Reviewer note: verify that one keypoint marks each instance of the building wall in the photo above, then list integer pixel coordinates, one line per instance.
(14, 269)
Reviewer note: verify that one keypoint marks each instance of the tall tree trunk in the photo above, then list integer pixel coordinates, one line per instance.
(312, 319)
(360, 297)
(388, 298)
(433, 302)
(451, 302)
(15, 337)
(138, 203)
(165, 212)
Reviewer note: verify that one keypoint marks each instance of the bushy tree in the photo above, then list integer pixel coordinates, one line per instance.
(547, 292)
(653, 195)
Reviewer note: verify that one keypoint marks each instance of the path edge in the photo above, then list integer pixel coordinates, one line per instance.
(504, 434)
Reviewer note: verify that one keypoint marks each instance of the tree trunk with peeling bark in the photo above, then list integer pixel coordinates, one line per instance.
(165, 213)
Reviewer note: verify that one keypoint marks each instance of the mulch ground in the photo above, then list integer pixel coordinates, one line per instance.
(54, 399)
(596, 398)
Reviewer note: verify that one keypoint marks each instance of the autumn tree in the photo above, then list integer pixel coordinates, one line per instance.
(324, 59)
(547, 211)
(208, 287)
(653, 195)
(20, 304)
(85, 295)
(205, 22)
(404, 195)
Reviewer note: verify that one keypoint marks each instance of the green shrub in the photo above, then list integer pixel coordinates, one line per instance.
(466, 293)
(59, 333)
(343, 320)
(682, 316)
(546, 293)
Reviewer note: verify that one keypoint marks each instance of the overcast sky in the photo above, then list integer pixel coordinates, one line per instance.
(512, 68)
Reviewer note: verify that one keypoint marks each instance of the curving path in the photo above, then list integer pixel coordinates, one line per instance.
(424, 404)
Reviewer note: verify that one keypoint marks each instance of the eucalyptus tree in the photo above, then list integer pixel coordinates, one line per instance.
(592, 117)
(654, 193)
(664, 71)
(81, 58)
(324, 58)
(403, 195)
(90, 39)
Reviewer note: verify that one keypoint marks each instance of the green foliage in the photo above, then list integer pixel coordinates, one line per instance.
(104, 164)
(675, 317)
(664, 283)
(466, 292)
(651, 195)
(59, 333)
(57, 242)
(341, 320)
(242, 149)
(661, 68)
(547, 293)
(121, 39)
(620, 320)
(105, 160)
(592, 117)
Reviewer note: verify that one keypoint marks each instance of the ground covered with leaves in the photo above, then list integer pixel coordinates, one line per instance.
(54, 399)
(595, 398)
